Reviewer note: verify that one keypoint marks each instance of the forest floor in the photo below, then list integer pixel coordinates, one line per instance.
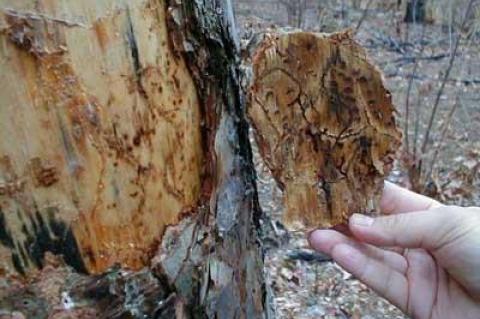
(307, 285)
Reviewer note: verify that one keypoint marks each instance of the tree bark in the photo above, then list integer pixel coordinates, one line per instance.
(125, 152)
(325, 126)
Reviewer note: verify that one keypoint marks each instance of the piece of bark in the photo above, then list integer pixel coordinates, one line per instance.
(325, 125)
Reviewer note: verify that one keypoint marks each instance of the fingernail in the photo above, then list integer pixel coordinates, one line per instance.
(361, 220)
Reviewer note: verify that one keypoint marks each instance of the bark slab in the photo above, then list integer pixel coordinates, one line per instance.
(325, 125)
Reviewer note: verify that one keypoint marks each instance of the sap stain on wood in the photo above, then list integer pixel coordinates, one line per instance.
(325, 125)
(134, 54)
(6, 238)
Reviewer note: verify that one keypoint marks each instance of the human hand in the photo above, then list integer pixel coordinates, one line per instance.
(431, 266)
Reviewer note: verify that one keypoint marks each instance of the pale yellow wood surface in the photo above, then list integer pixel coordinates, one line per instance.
(99, 130)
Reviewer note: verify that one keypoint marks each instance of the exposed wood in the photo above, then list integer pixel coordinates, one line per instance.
(102, 120)
(125, 152)
(325, 125)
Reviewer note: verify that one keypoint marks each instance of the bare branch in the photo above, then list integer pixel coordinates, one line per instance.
(364, 15)
(409, 90)
(445, 78)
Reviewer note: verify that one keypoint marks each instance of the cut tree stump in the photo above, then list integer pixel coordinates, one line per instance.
(325, 125)
(126, 179)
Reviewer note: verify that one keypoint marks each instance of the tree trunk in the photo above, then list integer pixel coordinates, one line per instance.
(416, 12)
(125, 152)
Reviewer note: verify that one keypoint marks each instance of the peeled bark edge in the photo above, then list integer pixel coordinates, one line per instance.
(208, 42)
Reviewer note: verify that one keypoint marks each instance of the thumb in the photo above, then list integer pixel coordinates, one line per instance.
(429, 230)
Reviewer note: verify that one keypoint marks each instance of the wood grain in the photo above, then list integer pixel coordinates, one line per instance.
(100, 143)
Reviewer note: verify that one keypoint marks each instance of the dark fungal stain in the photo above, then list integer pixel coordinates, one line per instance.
(132, 43)
(176, 82)
(24, 256)
(328, 196)
(135, 54)
(43, 236)
(6, 238)
(364, 143)
(18, 265)
(64, 243)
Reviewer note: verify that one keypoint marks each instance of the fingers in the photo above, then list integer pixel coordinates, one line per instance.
(425, 229)
(325, 241)
(384, 280)
(398, 200)
(383, 271)
(422, 277)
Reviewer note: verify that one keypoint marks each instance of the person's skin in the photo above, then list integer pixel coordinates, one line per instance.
(431, 268)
